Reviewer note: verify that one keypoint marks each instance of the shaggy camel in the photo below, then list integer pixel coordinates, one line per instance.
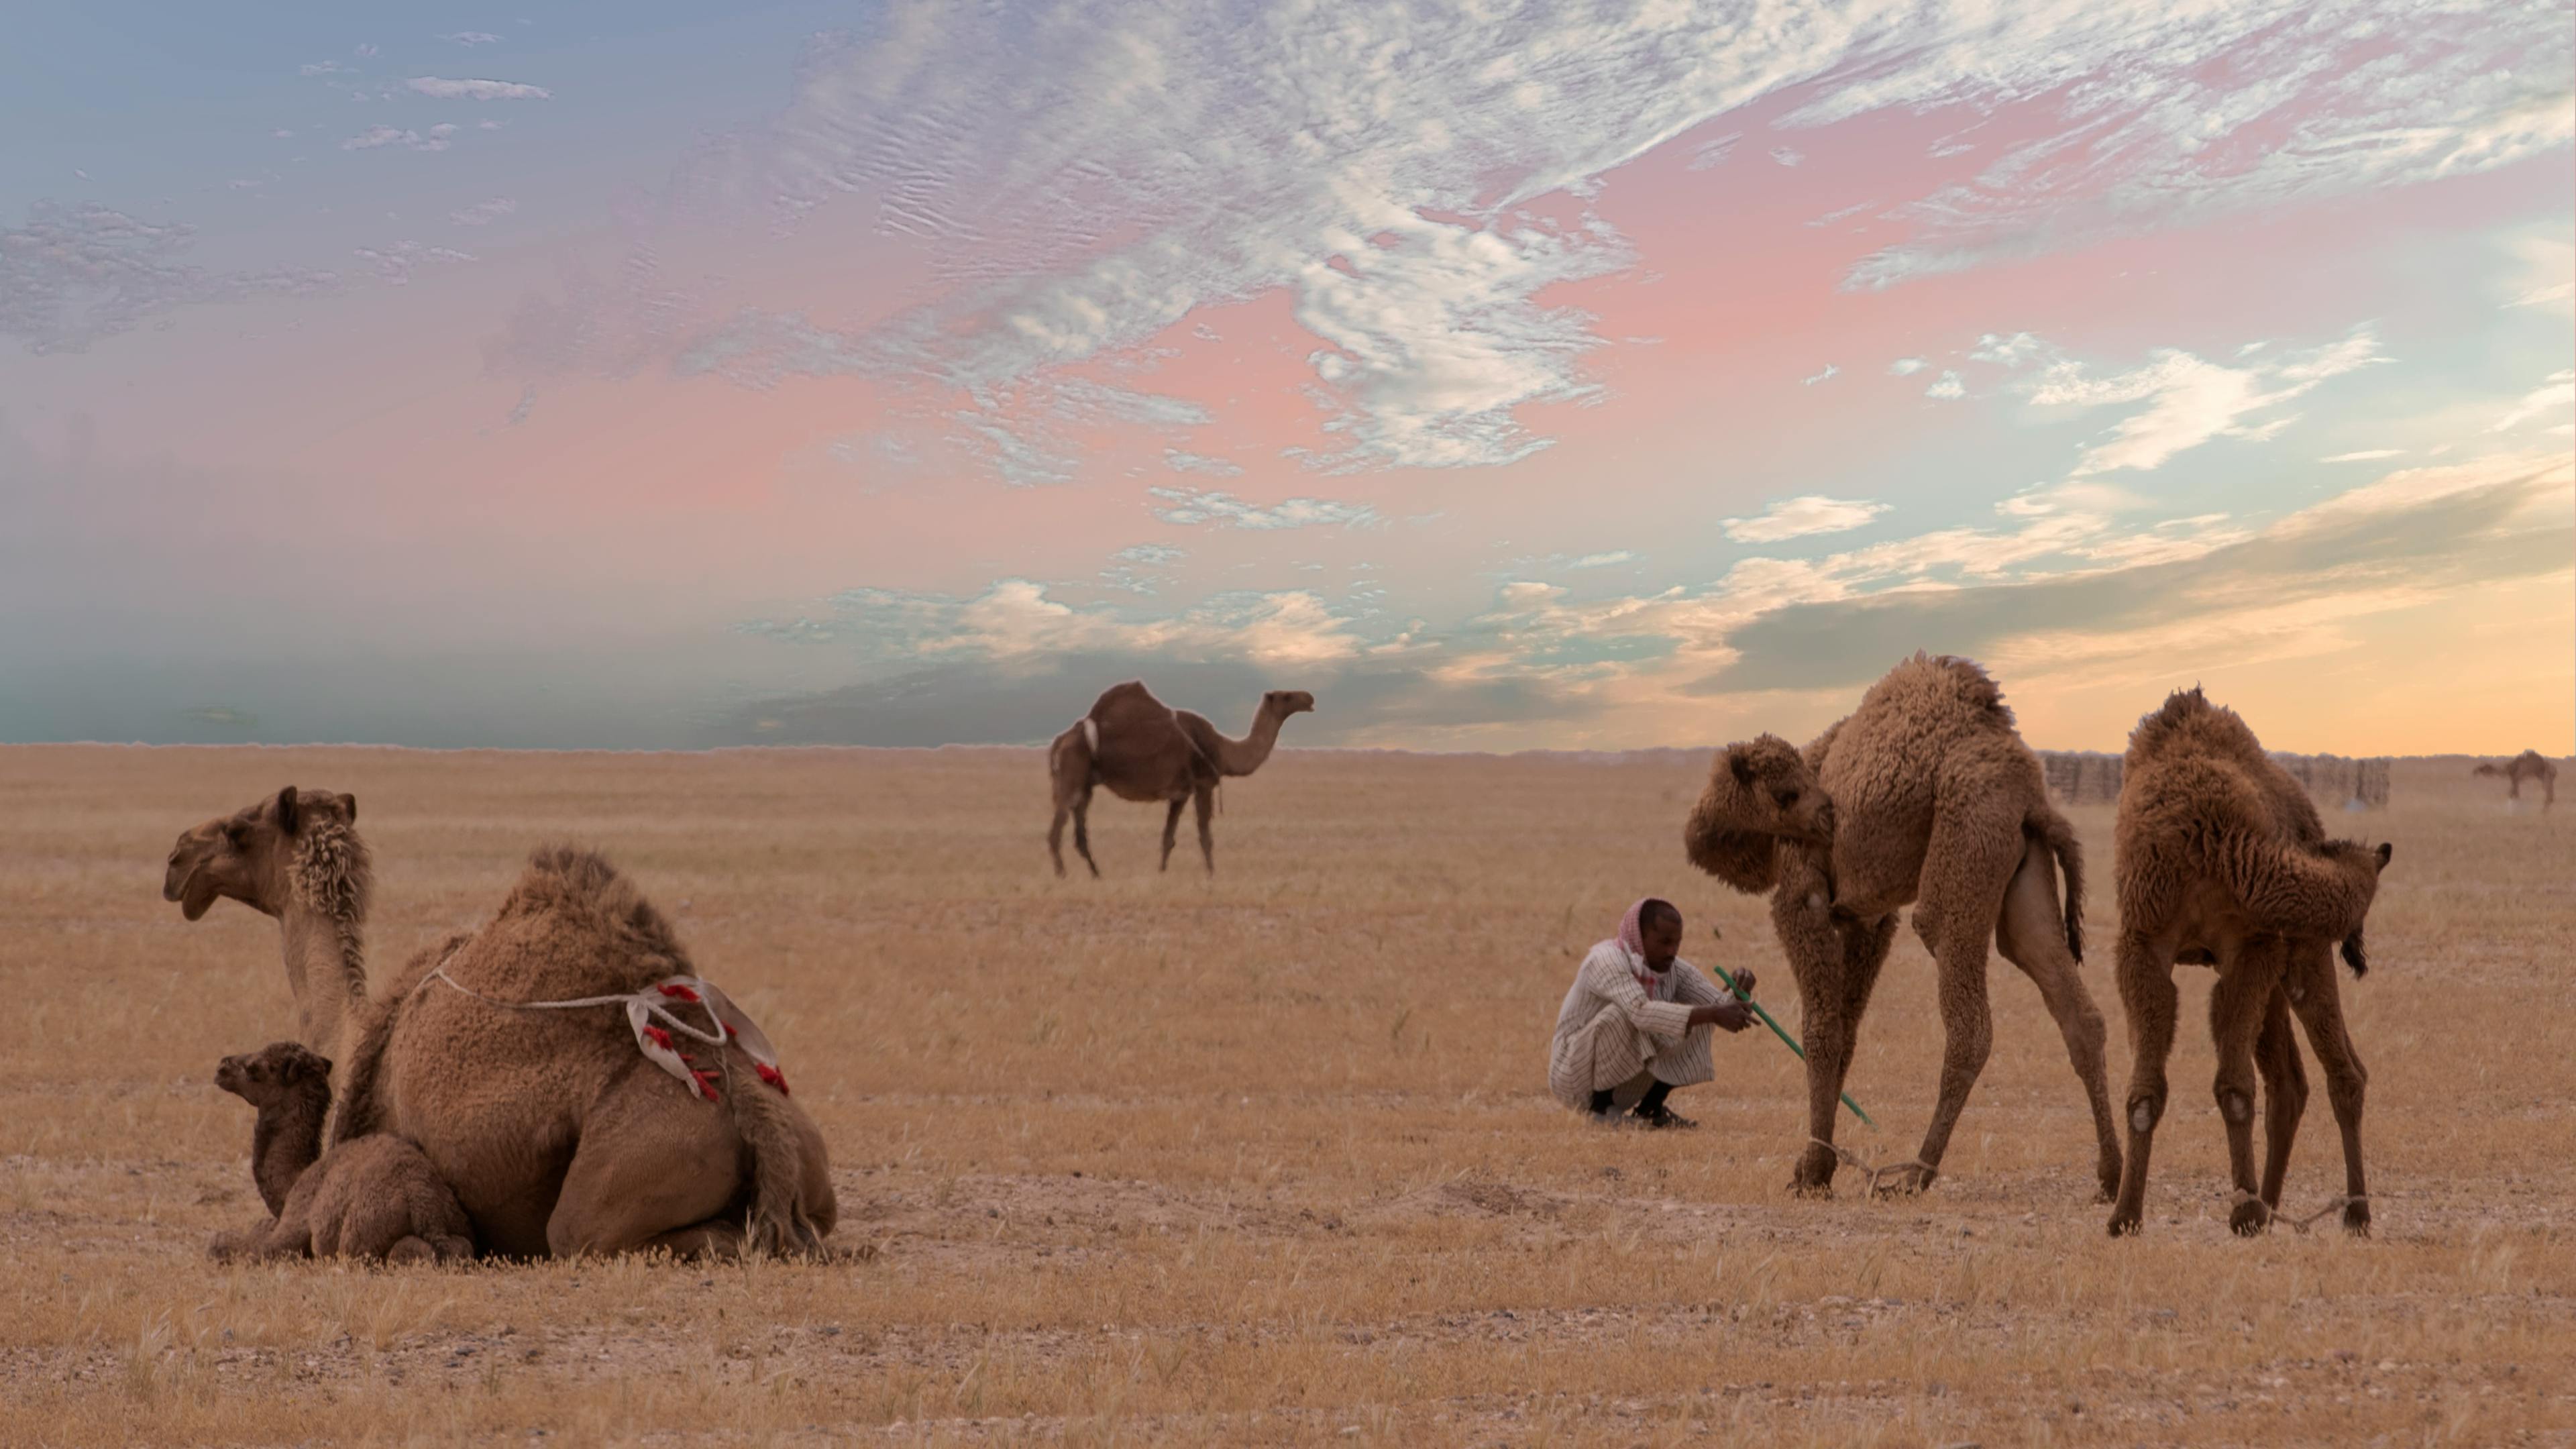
(375, 1198)
(2529, 765)
(1925, 794)
(2222, 861)
(552, 1140)
(1145, 750)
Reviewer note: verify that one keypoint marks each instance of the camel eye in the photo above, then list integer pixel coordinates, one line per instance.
(1788, 798)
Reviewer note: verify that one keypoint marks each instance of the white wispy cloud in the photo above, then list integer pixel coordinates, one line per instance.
(378, 137)
(2190, 401)
(484, 213)
(1185, 462)
(441, 88)
(472, 38)
(1015, 621)
(1193, 506)
(1799, 517)
(2366, 455)
(2556, 394)
(395, 264)
(1152, 553)
(1949, 386)
(1829, 374)
(1906, 366)
(1602, 560)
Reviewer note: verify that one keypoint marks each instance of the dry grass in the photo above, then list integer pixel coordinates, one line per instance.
(1268, 1159)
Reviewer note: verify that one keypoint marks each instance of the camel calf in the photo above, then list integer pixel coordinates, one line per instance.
(374, 1197)
(2223, 862)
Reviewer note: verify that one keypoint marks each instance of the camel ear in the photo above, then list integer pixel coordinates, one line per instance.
(289, 815)
(1741, 767)
(2386, 850)
(349, 806)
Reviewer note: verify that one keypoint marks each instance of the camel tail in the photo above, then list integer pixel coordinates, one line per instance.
(2060, 836)
(778, 1222)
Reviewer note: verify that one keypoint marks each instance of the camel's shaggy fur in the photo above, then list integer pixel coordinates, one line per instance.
(375, 1198)
(549, 1125)
(1924, 795)
(2223, 861)
(1145, 750)
(2529, 765)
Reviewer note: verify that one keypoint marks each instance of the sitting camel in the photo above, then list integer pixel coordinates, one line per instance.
(2223, 862)
(2529, 765)
(1925, 793)
(537, 1118)
(1145, 750)
(375, 1198)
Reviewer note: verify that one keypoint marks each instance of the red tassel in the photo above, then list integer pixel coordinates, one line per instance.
(773, 1076)
(658, 1037)
(730, 1033)
(678, 992)
(707, 1085)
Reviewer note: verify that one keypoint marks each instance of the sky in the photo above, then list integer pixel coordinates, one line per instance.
(1507, 375)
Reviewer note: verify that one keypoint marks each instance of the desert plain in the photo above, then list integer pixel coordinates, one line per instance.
(1269, 1158)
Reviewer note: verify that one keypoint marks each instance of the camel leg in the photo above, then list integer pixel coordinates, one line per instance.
(2285, 1094)
(1055, 837)
(2032, 935)
(2320, 1009)
(1171, 832)
(1968, 872)
(2148, 998)
(2246, 985)
(654, 1168)
(1803, 920)
(1205, 800)
(1082, 830)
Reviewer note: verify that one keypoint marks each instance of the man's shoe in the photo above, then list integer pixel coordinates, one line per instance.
(1662, 1118)
(1611, 1118)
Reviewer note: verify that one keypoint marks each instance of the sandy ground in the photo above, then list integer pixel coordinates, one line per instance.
(1268, 1158)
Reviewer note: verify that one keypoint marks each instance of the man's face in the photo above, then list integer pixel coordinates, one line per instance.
(1663, 938)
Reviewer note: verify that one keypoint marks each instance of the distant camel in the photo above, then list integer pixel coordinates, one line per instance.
(2529, 765)
(1925, 793)
(2223, 862)
(1145, 750)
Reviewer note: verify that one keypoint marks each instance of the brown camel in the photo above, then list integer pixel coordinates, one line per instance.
(538, 1119)
(2529, 765)
(2223, 862)
(375, 1198)
(1925, 794)
(1145, 750)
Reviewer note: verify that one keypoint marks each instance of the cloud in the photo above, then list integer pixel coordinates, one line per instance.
(1181, 462)
(1788, 156)
(1829, 374)
(1602, 560)
(2556, 394)
(439, 88)
(73, 275)
(378, 137)
(1152, 553)
(2366, 455)
(1192, 506)
(2190, 401)
(1906, 366)
(471, 38)
(484, 213)
(1801, 517)
(1947, 387)
(323, 67)
(364, 50)
(395, 264)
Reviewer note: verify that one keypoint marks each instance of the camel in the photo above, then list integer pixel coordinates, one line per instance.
(375, 1198)
(552, 1140)
(1925, 795)
(2529, 765)
(2223, 861)
(1145, 750)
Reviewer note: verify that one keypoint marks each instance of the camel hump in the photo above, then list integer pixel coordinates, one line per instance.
(1123, 698)
(1946, 688)
(568, 883)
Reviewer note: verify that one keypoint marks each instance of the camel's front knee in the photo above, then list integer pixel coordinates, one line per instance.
(2145, 1110)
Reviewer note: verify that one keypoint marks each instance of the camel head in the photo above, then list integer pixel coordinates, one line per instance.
(2489, 767)
(1281, 703)
(273, 1074)
(1760, 793)
(2363, 864)
(253, 854)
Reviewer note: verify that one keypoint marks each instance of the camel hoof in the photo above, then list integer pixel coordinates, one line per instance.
(2125, 1224)
(2249, 1219)
(2356, 1219)
(1800, 1187)
(1912, 1183)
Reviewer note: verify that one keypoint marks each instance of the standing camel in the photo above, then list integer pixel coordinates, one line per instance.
(1145, 750)
(2222, 861)
(1925, 794)
(538, 1119)
(2529, 765)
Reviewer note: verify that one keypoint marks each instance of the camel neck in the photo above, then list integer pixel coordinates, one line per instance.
(326, 970)
(284, 1143)
(1243, 756)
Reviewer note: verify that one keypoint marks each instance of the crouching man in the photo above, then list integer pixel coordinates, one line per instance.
(1636, 1025)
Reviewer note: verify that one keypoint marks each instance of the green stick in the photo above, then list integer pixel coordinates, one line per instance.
(1790, 1041)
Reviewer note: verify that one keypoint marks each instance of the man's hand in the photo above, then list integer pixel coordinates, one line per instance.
(1744, 984)
(1733, 1016)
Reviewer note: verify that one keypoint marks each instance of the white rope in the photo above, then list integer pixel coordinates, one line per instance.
(647, 1007)
(2273, 1215)
(1854, 1160)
